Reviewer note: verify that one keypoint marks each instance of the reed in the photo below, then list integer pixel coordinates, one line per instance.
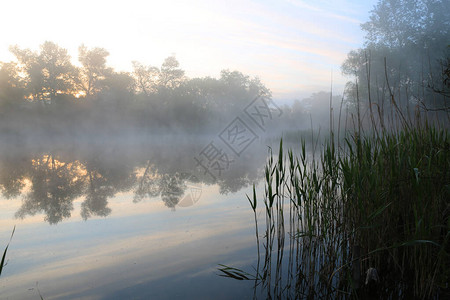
(378, 201)
(366, 215)
(3, 262)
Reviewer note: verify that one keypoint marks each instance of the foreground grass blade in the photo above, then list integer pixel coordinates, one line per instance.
(234, 273)
(2, 264)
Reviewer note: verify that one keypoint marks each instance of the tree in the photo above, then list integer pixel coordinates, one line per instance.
(404, 45)
(406, 23)
(146, 77)
(238, 82)
(239, 89)
(171, 75)
(11, 86)
(118, 87)
(93, 72)
(47, 73)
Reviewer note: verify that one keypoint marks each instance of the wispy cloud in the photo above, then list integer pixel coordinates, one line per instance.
(109, 258)
(340, 10)
(206, 35)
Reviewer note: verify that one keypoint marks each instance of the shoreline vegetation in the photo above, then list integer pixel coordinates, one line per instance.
(378, 201)
(358, 212)
(365, 214)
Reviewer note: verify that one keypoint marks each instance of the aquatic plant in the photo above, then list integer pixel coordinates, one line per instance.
(3, 262)
(378, 201)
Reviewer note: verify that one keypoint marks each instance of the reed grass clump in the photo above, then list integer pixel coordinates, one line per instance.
(377, 201)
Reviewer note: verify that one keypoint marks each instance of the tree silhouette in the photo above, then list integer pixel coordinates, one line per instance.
(92, 74)
(47, 73)
(405, 43)
(171, 75)
(11, 86)
(146, 77)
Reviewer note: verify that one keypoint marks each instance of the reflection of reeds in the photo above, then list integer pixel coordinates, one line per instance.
(381, 201)
(3, 262)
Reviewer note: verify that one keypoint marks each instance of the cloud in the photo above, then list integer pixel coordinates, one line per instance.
(69, 266)
(206, 36)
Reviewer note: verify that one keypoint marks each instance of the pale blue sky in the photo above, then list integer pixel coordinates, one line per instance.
(292, 45)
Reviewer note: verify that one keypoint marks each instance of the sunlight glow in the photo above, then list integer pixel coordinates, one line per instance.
(206, 36)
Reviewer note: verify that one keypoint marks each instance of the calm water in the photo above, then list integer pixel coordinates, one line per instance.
(146, 218)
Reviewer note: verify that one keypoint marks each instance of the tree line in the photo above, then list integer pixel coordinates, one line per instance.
(403, 67)
(45, 85)
(48, 179)
(404, 64)
(48, 76)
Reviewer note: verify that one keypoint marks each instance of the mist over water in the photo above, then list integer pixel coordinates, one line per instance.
(48, 178)
(134, 184)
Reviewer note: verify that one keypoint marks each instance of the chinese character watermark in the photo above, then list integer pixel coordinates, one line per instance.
(238, 136)
(213, 160)
(260, 110)
(192, 193)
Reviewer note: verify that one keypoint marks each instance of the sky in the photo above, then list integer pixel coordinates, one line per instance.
(295, 47)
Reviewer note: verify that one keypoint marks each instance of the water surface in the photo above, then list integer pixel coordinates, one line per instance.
(127, 218)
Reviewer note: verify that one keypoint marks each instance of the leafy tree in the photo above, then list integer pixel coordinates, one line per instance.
(237, 90)
(149, 97)
(402, 57)
(407, 23)
(118, 89)
(236, 83)
(47, 73)
(11, 86)
(146, 77)
(171, 75)
(150, 79)
(94, 71)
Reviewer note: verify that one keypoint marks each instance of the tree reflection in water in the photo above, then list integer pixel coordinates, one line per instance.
(49, 182)
(12, 173)
(54, 186)
(98, 191)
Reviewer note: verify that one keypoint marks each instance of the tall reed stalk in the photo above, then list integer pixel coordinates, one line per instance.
(381, 201)
(369, 217)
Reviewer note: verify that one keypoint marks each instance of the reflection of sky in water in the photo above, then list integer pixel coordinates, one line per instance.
(137, 252)
(141, 249)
